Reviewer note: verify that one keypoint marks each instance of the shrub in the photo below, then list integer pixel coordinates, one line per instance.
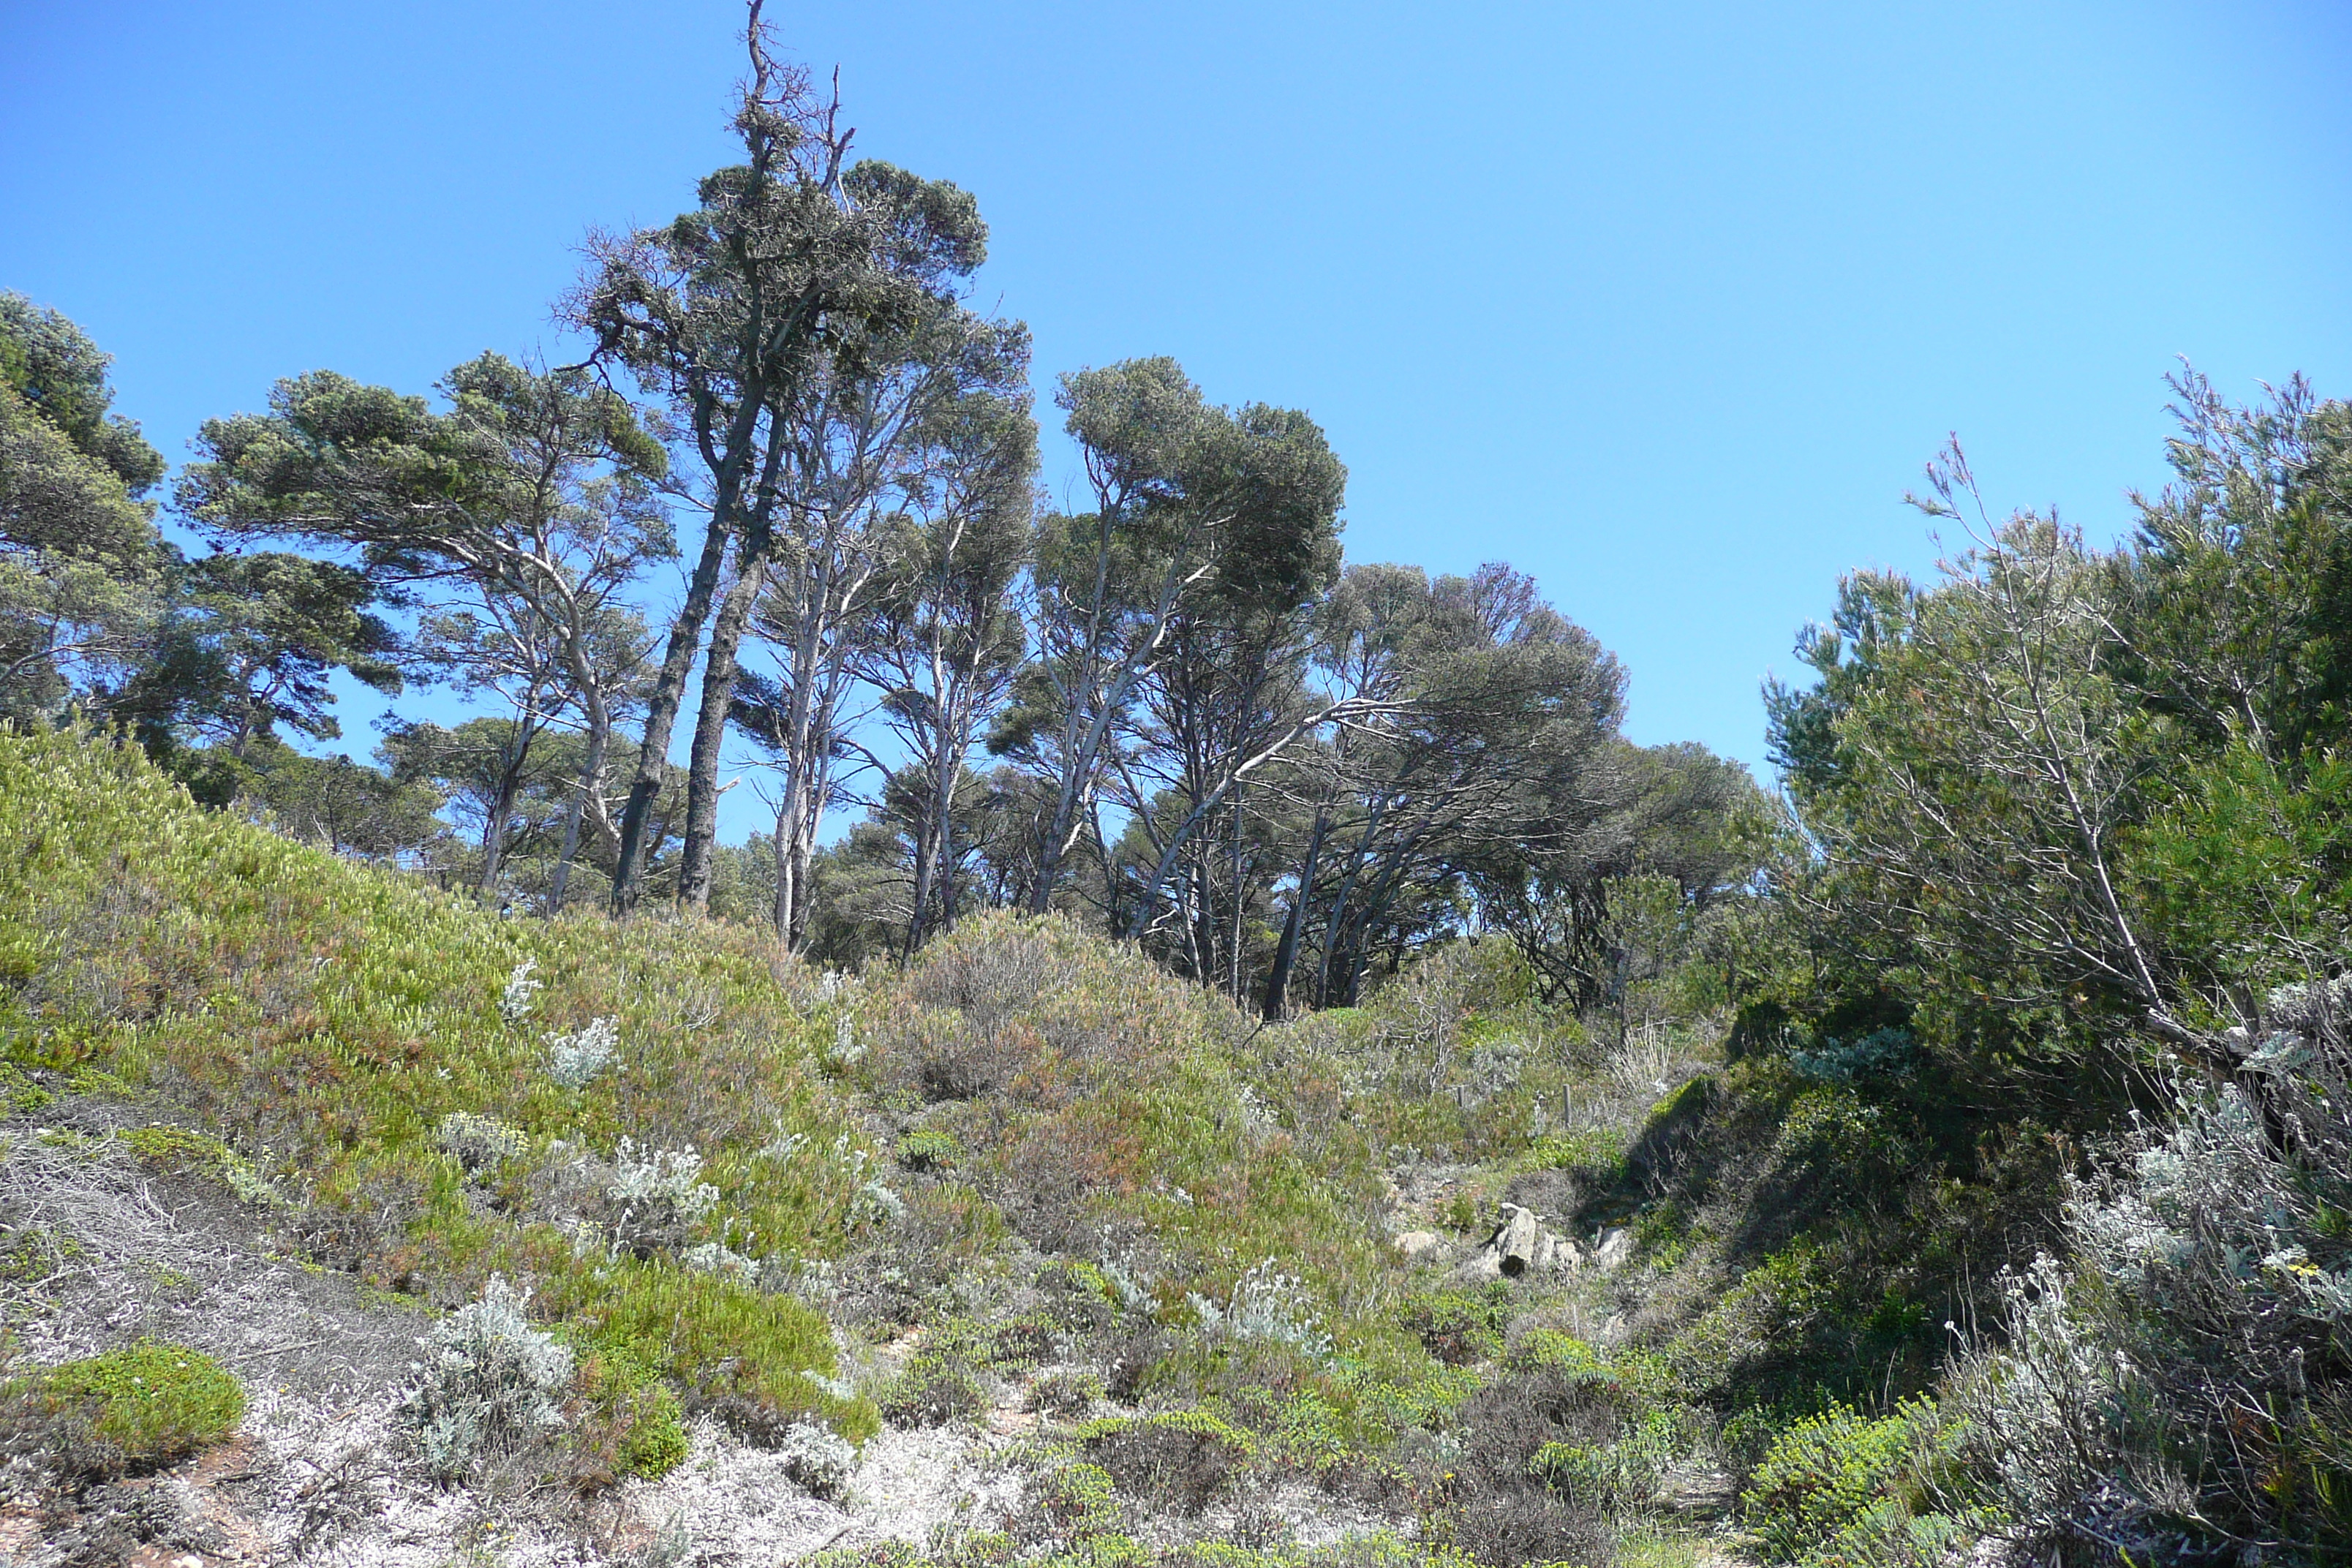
(660, 1196)
(479, 1142)
(632, 1422)
(1180, 1459)
(820, 1462)
(1821, 1475)
(718, 1257)
(1065, 1392)
(1079, 1500)
(1493, 1502)
(521, 996)
(747, 1356)
(2187, 1386)
(1608, 1478)
(1458, 1327)
(574, 1059)
(1269, 1306)
(929, 1149)
(1889, 1053)
(490, 1385)
(935, 1390)
(136, 1407)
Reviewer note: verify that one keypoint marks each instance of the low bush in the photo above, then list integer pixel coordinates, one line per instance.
(1178, 1460)
(935, 1390)
(1065, 1392)
(1495, 1503)
(490, 1386)
(134, 1407)
(1459, 1327)
(630, 1423)
(931, 1149)
(2186, 1387)
(819, 1462)
(479, 1142)
(744, 1354)
(1078, 1500)
(1823, 1474)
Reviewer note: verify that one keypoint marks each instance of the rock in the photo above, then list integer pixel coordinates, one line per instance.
(1519, 1241)
(1418, 1244)
(1616, 1246)
(1521, 1244)
(1477, 1268)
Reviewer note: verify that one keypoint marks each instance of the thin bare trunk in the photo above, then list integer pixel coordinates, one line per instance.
(719, 668)
(661, 714)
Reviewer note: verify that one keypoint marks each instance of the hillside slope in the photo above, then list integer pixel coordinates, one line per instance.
(1105, 1267)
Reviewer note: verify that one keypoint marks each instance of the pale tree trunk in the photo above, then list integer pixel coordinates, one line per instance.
(1086, 735)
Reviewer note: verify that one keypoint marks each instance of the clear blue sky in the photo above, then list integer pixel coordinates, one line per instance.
(1665, 303)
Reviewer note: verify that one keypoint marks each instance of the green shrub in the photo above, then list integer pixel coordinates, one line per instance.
(1624, 1472)
(1065, 1392)
(740, 1352)
(935, 1390)
(1459, 1327)
(18, 1092)
(139, 1406)
(931, 1149)
(1821, 1475)
(633, 1423)
(1080, 1499)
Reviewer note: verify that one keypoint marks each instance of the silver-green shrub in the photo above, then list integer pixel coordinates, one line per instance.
(520, 995)
(479, 1142)
(819, 1461)
(658, 1195)
(2185, 1392)
(574, 1059)
(489, 1386)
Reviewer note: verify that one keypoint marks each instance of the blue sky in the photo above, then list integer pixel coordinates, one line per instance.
(1665, 304)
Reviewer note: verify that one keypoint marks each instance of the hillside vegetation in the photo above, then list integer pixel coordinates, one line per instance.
(1276, 1074)
(704, 1170)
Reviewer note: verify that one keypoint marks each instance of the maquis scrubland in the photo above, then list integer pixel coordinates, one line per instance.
(1270, 1075)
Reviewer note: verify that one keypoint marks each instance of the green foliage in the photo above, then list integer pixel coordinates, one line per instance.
(199, 1153)
(339, 1016)
(745, 1352)
(1825, 1475)
(18, 1092)
(1088, 1089)
(1177, 1459)
(81, 564)
(2249, 869)
(139, 1406)
(633, 1423)
(931, 1149)
(1459, 1327)
(249, 644)
(933, 1390)
(1624, 1473)
(1081, 1499)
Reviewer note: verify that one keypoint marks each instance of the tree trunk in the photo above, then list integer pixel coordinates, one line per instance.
(661, 715)
(494, 835)
(719, 668)
(592, 775)
(1285, 953)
